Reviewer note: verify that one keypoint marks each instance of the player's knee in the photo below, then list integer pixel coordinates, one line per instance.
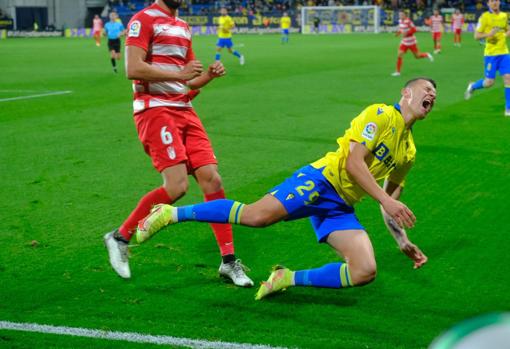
(364, 273)
(255, 217)
(176, 188)
(506, 79)
(212, 183)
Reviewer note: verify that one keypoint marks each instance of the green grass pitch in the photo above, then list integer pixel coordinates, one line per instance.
(72, 168)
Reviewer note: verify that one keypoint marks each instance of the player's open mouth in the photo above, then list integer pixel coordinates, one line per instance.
(427, 105)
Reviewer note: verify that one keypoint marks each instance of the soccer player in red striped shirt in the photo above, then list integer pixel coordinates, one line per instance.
(436, 28)
(457, 23)
(407, 29)
(166, 74)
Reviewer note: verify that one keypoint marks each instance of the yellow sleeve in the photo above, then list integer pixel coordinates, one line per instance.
(368, 126)
(398, 176)
(482, 23)
(506, 21)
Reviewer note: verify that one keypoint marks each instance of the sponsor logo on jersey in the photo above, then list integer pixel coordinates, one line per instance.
(134, 29)
(369, 131)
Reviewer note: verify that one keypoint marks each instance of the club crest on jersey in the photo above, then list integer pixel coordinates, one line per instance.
(369, 131)
(134, 29)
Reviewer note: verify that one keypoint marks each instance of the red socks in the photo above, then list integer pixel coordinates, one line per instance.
(399, 64)
(157, 196)
(222, 232)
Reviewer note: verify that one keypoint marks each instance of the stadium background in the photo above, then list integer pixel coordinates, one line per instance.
(73, 17)
(71, 169)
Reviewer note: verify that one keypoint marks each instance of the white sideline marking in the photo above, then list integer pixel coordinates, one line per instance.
(128, 336)
(36, 96)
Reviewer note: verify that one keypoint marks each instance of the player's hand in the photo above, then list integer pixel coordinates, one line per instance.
(192, 70)
(399, 212)
(414, 253)
(216, 70)
(493, 32)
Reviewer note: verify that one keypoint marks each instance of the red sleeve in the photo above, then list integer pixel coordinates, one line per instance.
(139, 32)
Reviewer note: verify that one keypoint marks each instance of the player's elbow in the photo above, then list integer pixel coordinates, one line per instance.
(351, 165)
(132, 73)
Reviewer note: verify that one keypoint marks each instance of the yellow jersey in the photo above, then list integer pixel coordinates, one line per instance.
(225, 26)
(285, 22)
(381, 128)
(497, 44)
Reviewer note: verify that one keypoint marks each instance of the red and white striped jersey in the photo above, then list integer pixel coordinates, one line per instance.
(405, 26)
(97, 25)
(436, 23)
(457, 21)
(167, 41)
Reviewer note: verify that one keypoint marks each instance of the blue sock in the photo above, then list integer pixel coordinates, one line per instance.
(217, 57)
(333, 275)
(507, 97)
(216, 211)
(477, 85)
(237, 54)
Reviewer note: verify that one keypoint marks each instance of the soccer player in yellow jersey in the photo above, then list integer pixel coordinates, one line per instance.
(285, 23)
(225, 26)
(378, 146)
(493, 27)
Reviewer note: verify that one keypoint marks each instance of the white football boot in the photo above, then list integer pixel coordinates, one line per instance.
(235, 271)
(118, 253)
(469, 91)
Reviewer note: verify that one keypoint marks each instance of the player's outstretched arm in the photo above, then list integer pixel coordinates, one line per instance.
(479, 36)
(138, 69)
(405, 245)
(214, 71)
(358, 169)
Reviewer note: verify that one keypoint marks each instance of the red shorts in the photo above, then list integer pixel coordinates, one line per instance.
(171, 136)
(436, 36)
(404, 48)
(458, 31)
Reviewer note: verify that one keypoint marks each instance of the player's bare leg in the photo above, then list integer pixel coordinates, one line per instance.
(175, 184)
(356, 248)
(237, 54)
(400, 56)
(359, 268)
(210, 182)
(419, 55)
(437, 47)
(266, 211)
(97, 38)
(477, 85)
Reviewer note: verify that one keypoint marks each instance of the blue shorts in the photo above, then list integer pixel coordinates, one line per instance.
(225, 43)
(309, 194)
(495, 63)
(285, 31)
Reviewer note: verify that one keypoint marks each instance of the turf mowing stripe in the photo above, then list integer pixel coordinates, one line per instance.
(36, 96)
(128, 336)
